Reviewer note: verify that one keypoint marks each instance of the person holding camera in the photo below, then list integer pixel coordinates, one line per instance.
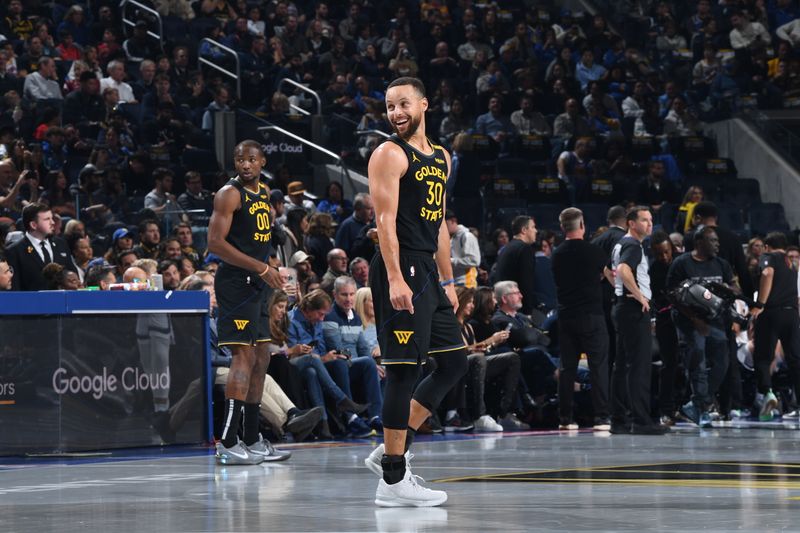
(702, 340)
(776, 319)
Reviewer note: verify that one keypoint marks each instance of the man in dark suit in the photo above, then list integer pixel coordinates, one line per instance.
(518, 261)
(37, 248)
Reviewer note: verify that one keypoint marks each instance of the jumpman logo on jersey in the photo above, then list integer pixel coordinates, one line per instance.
(414, 158)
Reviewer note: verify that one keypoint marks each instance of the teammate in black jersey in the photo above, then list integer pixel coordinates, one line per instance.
(240, 233)
(414, 308)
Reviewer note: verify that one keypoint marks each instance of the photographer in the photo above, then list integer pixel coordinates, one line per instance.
(776, 319)
(701, 337)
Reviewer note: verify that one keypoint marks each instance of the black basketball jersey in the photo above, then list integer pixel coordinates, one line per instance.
(420, 204)
(251, 231)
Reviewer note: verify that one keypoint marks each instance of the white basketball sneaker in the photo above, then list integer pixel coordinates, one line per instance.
(373, 461)
(408, 493)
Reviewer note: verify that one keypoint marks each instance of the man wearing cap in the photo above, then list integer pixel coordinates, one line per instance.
(301, 262)
(84, 107)
(296, 192)
(350, 228)
(122, 239)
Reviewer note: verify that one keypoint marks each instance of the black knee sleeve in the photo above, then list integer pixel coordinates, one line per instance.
(452, 366)
(400, 381)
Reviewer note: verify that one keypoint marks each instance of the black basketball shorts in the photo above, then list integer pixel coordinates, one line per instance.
(242, 307)
(405, 338)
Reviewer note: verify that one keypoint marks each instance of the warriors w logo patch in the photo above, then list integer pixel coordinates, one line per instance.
(241, 324)
(403, 336)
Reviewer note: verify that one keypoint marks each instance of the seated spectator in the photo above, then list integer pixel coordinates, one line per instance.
(195, 197)
(115, 79)
(58, 278)
(706, 70)
(654, 190)
(368, 339)
(67, 49)
(296, 191)
(170, 249)
(465, 251)
(342, 330)
(587, 70)
(374, 119)
(455, 122)
(56, 194)
(570, 124)
(183, 232)
(746, 34)
(337, 266)
(139, 46)
(359, 271)
(404, 63)
(220, 103)
(301, 262)
(528, 121)
(99, 276)
(80, 255)
(350, 228)
(492, 80)
(334, 203)
(161, 200)
(319, 240)
(680, 121)
(472, 46)
(84, 108)
(170, 274)
(323, 369)
(486, 367)
(538, 367)
(597, 95)
(43, 84)
(693, 196)
(149, 239)
(124, 260)
(495, 123)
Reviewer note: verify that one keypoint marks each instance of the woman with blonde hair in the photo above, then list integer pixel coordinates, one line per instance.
(694, 195)
(368, 340)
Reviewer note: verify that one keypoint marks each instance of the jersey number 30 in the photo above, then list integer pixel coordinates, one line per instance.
(435, 191)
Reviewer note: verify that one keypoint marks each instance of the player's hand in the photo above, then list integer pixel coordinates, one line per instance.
(401, 296)
(755, 311)
(273, 278)
(450, 291)
(381, 372)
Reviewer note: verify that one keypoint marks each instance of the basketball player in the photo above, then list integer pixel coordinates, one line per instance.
(239, 232)
(414, 310)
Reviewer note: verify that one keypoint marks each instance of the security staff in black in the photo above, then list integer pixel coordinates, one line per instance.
(776, 319)
(630, 378)
(240, 233)
(412, 288)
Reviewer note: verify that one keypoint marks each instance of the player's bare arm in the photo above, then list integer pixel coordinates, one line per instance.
(386, 166)
(443, 262)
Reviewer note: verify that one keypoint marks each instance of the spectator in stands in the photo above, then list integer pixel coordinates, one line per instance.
(301, 262)
(472, 46)
(150, 238)
(528, 121)
(706, 70)
(58, 278)
(56, 194)
(139, 46)
(195, 197)
(747, 34)
(43, 84)
(145, 84)
(168, 269)
(7, 275)
(465, 251)
(495, 123)
(115, 79)
(570, 124)
(305, 328)
(337, 266)
(693, 196)
(359, 271)
(124, 260)
(170, 249)
(350, 228)
(84, 108)
(574, 169)
(334, 203)
(296, 192)
(598, 96)
(161, 92)
(454, 123)
(294, 230)
(654, 189)
(680, 121)
(517, 263)
(319, 240)
(161, 200)
(220, 103)
(587, 70)
(100, 276)
(342, 330)
(36, 249)
(80, 255)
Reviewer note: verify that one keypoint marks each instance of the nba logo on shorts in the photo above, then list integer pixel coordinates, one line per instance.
(411, 270)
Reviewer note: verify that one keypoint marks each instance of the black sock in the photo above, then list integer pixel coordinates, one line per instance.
(251, 433)
(233, 417)
(410, 434)
(394, 468)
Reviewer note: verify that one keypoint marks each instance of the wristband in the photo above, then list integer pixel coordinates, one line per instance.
(758, 305)
(447, 282)
(267, 270)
